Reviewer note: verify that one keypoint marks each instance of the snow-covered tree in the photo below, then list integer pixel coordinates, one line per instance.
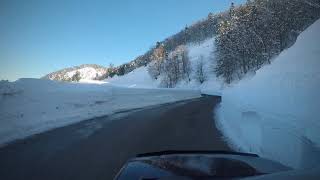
(255, 32)
(154, 69)
(158, 57)
(186, 65)
(175, 67)
(170, 72)
(200, 74)
(76, 77)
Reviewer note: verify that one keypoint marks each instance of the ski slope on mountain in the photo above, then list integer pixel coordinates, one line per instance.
(140, 78)
(86, 73)
(30, 106)
(82, 72)
(276, 112)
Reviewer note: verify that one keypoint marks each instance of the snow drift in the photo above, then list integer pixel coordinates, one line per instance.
(30, 106)
(276, 113)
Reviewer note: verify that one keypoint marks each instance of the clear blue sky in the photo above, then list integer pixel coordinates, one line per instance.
(41, 36)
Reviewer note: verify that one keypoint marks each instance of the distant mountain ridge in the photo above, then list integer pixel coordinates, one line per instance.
(195, 33)
(76, 73)
(246, 37)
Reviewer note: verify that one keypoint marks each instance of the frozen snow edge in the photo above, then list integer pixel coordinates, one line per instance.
(266, 135)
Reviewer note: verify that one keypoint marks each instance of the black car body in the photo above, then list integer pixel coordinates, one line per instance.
(197, 165)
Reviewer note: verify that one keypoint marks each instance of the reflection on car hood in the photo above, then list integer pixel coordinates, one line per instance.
(200, 165)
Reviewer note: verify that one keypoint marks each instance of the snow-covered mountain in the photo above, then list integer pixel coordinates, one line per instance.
(77, 73)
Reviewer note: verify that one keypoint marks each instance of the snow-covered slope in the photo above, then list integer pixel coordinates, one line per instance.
(30, 106)
(86, 72)
(140, 77)
(212, 85)
(276, 113)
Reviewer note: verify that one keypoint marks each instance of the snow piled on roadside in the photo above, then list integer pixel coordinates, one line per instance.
(8, 89)
(276, 113)
(30, 106)
(89, 81)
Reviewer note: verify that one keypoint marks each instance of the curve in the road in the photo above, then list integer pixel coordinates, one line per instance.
(97, 148)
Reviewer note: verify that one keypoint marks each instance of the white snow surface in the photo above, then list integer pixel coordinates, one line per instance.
(30, 106)
(275, 114)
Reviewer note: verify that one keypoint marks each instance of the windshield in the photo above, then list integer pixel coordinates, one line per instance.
(86, 86)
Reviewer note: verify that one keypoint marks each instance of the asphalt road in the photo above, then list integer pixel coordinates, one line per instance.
(96, 149)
